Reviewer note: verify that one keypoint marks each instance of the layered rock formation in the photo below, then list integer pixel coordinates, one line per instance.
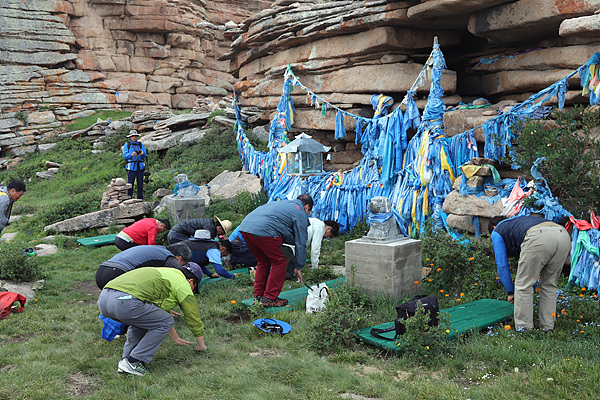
(345, 51)
(62, 59)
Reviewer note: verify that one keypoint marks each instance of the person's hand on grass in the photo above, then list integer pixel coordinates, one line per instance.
(182, 342)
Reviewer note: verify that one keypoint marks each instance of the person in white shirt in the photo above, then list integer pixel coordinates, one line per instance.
(317, 231)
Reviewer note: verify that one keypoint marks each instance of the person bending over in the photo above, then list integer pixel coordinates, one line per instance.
(174, 256)
(141, 232)
(143, 299)
(206, 251)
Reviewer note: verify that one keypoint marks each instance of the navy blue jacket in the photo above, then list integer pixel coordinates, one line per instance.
(507, 238)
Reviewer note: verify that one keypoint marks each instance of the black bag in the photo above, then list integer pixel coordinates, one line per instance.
(406, 310)
(271, 327)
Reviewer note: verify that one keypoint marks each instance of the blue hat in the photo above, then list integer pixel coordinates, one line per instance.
(194, 269)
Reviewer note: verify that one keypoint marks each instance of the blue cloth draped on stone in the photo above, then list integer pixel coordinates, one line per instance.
(379, 218)
(388, 167)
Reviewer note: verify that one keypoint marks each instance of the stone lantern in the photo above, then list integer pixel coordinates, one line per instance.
(304, 156)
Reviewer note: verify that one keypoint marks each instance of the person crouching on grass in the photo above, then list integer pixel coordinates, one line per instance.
(143, 299)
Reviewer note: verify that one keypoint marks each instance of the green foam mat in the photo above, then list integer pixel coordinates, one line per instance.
(295, 297)
(464, 318)
(97, 241)
(209, 281)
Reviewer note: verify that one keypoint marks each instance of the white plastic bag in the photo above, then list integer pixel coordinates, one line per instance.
(318, 296)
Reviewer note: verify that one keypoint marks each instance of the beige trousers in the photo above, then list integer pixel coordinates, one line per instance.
(543, 254)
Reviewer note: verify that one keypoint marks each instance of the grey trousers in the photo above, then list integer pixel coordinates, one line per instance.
(149, 325)
(543, 254)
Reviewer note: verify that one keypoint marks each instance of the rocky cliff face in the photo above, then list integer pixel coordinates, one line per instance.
(345, 51)
(61, 59)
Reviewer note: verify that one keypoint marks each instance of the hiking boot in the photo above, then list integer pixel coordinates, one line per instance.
(227, 262)
(134, 369)
(278, 302)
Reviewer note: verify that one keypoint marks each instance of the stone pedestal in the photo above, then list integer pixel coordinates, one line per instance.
(389, 267)
(184, 208)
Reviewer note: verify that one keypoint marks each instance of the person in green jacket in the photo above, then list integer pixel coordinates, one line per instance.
(143, 299)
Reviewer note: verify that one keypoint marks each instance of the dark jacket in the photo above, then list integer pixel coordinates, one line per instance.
(199, 249)
(190, 226)
(507, 238)
(143, 256)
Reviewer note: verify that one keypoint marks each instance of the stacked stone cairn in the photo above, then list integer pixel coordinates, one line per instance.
(204, 105)
(116, 194)
(461, 209)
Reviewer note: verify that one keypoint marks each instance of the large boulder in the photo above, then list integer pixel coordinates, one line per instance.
(102, 218)
(227, 184)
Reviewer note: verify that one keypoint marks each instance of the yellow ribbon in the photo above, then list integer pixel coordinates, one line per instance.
(282, 160)
(446, 165)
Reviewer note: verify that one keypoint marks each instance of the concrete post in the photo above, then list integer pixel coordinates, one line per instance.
(390, 267)
(184, 208)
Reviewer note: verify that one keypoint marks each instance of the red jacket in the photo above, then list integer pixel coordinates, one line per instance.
(143, 232)
(6, 301)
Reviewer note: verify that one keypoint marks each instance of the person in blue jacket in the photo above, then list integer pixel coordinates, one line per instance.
(265, 230)
(134, 154)
(206, 251)
(542, 247)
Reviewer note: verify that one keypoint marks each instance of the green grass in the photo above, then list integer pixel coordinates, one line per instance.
(84, 176)
(53, 350)
(82, 123)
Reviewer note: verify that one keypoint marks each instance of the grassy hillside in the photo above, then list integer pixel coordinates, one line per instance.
(53, 349)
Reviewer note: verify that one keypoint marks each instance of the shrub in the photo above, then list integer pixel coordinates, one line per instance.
(258, 144)
(321, 274)
(245, 202)
(453, 268)
(346, 311)
(17, 265)
(572, 153)
(22, 116)
(422, 342)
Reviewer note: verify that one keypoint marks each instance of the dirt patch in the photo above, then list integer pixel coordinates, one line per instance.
(238, 317)
(88, 288)
(403, 376)
(80, 385)
(353, 396)
(364, 370)
(17, 339)
(8, 367)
